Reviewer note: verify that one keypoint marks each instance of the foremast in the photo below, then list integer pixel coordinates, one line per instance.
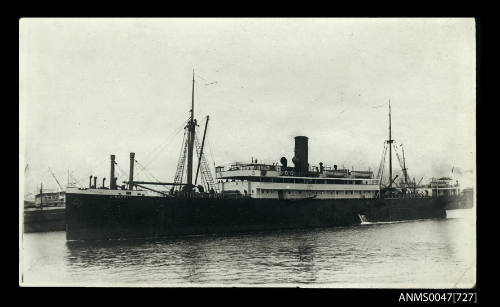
(190, 144)
(191, 127)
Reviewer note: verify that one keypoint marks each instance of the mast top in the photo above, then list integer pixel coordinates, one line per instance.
(192, 100)
(390, 140)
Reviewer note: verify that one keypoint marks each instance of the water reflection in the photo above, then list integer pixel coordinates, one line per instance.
(420, 253)
(106, 254)
(303, 252)
(193, 258)
(290, 255)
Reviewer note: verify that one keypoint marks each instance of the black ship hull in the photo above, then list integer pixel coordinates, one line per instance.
(94, 217)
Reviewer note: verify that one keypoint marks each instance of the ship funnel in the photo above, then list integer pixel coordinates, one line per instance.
(131, 173)
(95, 182)
(112, 182)
(103, 180)
(90, 182)
(301, 155)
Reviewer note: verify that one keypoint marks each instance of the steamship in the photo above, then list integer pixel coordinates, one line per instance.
(243, 197)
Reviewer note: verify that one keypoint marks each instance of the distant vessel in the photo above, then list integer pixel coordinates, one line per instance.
(445, 187)
(46, 213)
(244, 196)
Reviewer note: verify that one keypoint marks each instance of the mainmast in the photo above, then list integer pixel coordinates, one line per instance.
(390, 141)
(192, 100)
(191, 135)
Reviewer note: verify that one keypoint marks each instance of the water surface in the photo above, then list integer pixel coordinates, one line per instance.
(423, 254)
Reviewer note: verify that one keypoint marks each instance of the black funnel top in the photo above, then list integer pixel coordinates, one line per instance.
(301, 155)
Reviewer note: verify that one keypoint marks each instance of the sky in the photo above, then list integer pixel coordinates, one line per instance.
(94, 87)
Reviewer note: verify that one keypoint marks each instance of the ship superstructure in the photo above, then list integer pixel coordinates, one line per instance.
(279, 181)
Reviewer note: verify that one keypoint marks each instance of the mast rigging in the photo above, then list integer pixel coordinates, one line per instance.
(189, 145)
(201, 151)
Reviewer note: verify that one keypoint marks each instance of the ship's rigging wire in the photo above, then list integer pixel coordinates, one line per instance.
(199, 105)
(179, 170)
(207, 138)
(147, 171)
(209, 82)
(380, 172)
(161, 147)
(152, 155)
(401, 173)
(167, 140)
(74, 180)
(199, 76)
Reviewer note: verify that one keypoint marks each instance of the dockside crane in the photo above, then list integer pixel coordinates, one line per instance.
(57, 181)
